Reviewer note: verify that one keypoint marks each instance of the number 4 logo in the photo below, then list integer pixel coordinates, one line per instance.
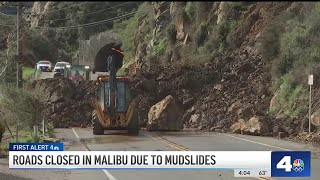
(285, 163)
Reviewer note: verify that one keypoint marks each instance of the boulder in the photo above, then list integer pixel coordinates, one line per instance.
(165, 115)
(315, 118)
(234, 107)
(187, 114)
(55, 97)
(195, 119)
(316, 138)
(246, 112)
(255, 126)
(238, 126)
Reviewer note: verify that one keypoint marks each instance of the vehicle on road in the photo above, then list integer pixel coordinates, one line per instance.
(78, 72)
(44, 66)
(60, 69)
(114, 109)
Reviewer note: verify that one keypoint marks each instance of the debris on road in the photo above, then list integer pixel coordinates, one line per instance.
(68, 103)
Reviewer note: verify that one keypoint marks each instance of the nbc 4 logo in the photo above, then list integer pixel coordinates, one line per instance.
(285, 163)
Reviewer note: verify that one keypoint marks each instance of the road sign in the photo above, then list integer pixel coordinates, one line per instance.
(310, 79)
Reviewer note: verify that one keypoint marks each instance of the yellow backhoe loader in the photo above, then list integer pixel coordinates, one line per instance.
(114, 108)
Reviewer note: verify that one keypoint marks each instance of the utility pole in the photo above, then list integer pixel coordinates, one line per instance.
(19, 69)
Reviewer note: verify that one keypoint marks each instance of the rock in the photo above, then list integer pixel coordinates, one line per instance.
(238, 126)
(147, 84)
(235, 106)
(215, 128)
(54, 140)
(195, 119)
(315, 118)
(276, 130)
(165, 115)
(255, 127)
(75, 124)
(316, 138)
(187, 114)
(55, 97)
(246, 112)
(282, 135)
(188, 101)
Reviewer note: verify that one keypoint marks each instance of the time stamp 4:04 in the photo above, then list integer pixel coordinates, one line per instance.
(252, 173)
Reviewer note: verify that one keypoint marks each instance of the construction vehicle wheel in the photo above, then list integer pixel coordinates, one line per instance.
(133, 126)
(97, 127)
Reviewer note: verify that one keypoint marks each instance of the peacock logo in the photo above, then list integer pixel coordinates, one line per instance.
(298, 165)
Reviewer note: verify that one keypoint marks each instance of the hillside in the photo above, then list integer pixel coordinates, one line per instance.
(232, 66)
(229, 62)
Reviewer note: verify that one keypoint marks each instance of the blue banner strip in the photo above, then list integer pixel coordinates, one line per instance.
(36, 147)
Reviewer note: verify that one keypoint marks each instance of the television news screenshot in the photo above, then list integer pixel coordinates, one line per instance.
(159, 90)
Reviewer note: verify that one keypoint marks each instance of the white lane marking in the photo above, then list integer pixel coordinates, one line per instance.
(256, 142)
(109, 175)
(75, 133)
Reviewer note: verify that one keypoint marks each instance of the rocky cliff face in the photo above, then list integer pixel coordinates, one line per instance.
(39, 9)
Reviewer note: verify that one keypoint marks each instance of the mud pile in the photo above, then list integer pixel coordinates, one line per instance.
(67, 102)
(215, 95)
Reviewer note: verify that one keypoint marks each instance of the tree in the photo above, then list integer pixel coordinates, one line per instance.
(21, 105)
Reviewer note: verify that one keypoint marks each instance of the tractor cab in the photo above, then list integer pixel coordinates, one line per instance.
(123, 96)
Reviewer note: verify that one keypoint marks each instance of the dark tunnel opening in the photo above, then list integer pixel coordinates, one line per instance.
(100, 61)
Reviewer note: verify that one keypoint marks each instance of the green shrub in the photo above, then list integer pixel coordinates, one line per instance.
(160, 48)
(171, 33)
(201, 35)
(291, 100)
(190, 10)
(50, 130)
(17, 103)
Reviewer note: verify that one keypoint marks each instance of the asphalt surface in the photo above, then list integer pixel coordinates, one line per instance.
(81, 139)
(45, 75)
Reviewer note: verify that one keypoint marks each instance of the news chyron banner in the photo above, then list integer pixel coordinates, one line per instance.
(35, 156)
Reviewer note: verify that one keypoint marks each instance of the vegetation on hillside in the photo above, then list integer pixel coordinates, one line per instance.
(64, 43)
(292, 45)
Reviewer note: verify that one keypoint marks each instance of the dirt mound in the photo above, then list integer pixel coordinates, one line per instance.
(221, 92)
(67, 102)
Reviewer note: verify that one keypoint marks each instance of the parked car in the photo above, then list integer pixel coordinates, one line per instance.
(44, 66)
(60, 68)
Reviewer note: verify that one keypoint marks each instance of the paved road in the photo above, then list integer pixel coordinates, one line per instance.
(82, 139)
(45, 75)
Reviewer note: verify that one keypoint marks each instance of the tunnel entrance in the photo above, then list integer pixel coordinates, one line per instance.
(101, 59)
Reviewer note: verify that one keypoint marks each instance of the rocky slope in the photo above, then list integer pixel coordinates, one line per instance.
(231, 91)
